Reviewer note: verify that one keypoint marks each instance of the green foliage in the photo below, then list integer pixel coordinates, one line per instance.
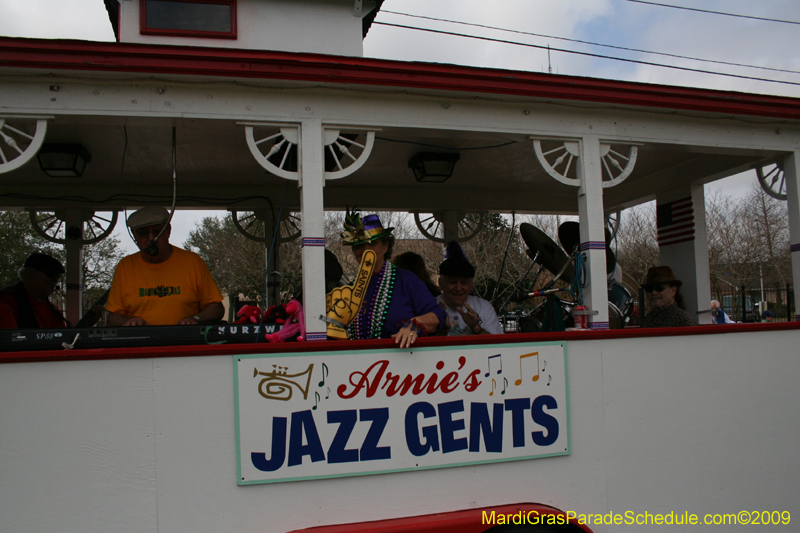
(17, 241)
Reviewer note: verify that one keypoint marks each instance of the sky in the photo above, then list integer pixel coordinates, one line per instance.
(621, 23)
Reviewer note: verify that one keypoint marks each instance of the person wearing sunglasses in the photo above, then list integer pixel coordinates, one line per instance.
(161, 284)
(29, 298)
(666, 303)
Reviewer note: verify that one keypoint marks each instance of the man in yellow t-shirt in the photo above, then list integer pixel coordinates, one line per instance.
(161, 284)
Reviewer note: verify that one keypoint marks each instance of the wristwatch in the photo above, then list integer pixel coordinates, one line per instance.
(197, 318)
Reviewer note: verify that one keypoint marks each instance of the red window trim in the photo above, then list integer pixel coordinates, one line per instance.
(233, 34)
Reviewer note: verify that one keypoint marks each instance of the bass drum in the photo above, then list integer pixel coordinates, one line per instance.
(622, 300)
(533, 322)
(615, 318)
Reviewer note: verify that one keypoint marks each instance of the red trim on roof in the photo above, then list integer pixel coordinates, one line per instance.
(317, 68)
(465, 521)
(379, 344)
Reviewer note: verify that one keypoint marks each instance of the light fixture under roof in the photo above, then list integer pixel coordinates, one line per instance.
(63, 160)
(433, 167)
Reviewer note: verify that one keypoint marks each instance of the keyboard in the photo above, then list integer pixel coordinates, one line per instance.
(118, 337)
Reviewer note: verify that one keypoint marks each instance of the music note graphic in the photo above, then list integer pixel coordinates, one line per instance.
(316, 400)
(549, 379)
(500, 371)
(494, 384)
(521, 357)
(505, 384)
(329, 393)
(324, 374)
(544, 365)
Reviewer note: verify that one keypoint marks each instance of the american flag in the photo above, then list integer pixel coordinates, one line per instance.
(675, 222)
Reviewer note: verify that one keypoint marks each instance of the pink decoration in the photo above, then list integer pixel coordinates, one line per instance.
(249, 313)
(294, 324)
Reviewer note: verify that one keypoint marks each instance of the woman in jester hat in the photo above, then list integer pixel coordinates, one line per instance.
(397, 304)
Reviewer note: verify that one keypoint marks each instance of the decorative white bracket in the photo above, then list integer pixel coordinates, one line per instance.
(334, 141)
(558, 161)
(287, 137)
(21, 136)
(348, 154)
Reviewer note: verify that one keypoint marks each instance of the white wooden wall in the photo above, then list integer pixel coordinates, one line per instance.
(704, 424)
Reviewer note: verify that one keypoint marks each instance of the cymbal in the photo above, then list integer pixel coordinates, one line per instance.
(551, 256)
(611, 261)
(569, 235)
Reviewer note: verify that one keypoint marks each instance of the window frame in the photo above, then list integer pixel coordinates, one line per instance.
(233, 34)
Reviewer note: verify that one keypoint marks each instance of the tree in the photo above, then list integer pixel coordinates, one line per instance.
(18, 240)
(236, 262)
(637, 244)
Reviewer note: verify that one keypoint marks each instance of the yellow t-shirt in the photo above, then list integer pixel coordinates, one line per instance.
(162, 293)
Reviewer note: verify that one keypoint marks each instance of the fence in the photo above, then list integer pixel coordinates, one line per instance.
(777, 299)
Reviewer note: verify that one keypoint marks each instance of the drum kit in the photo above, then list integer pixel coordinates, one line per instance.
(556, 313)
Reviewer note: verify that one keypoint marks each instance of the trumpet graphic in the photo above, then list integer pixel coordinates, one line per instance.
(278, 384)
(342, 303)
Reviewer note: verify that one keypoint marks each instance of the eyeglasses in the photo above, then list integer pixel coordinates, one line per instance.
(657, 288)
(143, 233)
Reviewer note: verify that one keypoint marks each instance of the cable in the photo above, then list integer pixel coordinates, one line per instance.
(152, 248)
(505, 255)
(687, 69)
(715, 12)
(579, 278)
(677, 56)
(271, 252)
(122, 182)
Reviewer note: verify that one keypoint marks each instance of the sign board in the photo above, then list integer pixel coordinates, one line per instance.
(331, 414)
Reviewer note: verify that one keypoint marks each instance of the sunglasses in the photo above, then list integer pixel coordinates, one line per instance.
(658, 288)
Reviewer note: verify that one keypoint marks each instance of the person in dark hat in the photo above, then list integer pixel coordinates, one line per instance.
(666, 302)
(161, 284)
(413, 262)
(29, 298)
(396, 304)
(467, 314)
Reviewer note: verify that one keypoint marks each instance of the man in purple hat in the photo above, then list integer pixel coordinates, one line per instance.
(397, 304)
(29, 298)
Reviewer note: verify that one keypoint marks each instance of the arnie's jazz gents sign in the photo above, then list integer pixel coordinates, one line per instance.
(341, 414)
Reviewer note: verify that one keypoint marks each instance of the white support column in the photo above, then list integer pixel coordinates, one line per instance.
(451, 222)
(312, 181)
(592, 231)
(791, 167)
(683, 246)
